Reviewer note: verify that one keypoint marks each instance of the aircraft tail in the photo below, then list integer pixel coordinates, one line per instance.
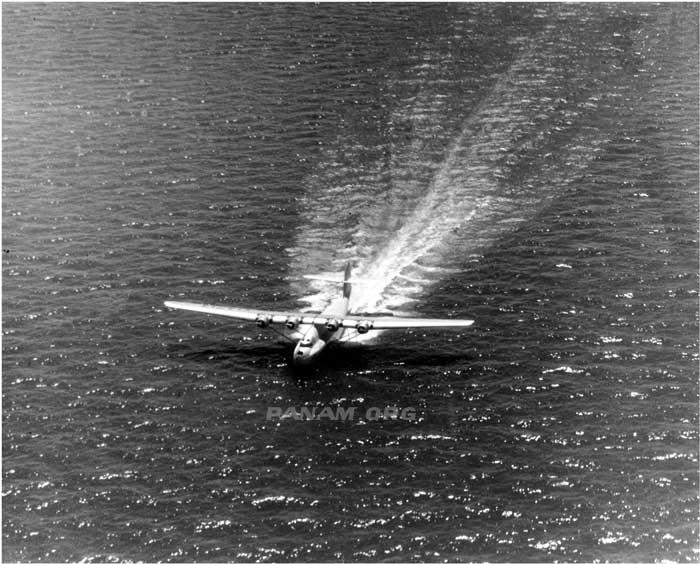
(347, 285)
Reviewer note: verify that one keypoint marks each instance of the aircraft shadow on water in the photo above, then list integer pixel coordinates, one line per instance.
(336, 357)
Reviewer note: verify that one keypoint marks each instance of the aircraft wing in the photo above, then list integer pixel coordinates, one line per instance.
(260, 316)
(243, 313)
(414, 322)
(292, 319)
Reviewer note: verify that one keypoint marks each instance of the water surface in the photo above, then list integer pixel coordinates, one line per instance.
(533, 167)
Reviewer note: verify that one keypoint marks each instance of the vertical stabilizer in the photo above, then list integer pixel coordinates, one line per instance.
(347, 286)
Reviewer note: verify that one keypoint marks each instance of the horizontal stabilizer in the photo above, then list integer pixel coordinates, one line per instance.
(339, 280)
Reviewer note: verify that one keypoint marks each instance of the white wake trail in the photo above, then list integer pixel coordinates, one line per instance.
(456, 183)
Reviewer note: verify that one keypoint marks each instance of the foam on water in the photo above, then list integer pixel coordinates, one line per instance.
(467, 171)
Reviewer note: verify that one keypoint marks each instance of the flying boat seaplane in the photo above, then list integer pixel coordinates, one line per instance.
(312, 332)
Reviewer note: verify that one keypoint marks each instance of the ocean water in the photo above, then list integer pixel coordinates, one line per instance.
(533, 167)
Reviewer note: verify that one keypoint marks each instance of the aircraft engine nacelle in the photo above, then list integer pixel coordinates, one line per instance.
(292, 322)
(263, 321)
(362, 327)
(332, 325)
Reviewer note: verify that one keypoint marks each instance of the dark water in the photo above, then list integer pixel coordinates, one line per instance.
(534, 167)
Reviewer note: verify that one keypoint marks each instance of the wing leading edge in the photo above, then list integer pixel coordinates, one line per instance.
(360, 322)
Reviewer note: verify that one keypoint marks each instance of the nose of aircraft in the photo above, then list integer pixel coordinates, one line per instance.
(302, 349)
(307, 349)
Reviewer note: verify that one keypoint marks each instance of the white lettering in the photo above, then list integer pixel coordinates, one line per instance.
(345, 414)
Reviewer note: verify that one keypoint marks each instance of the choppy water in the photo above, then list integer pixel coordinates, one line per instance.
(534, 167)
